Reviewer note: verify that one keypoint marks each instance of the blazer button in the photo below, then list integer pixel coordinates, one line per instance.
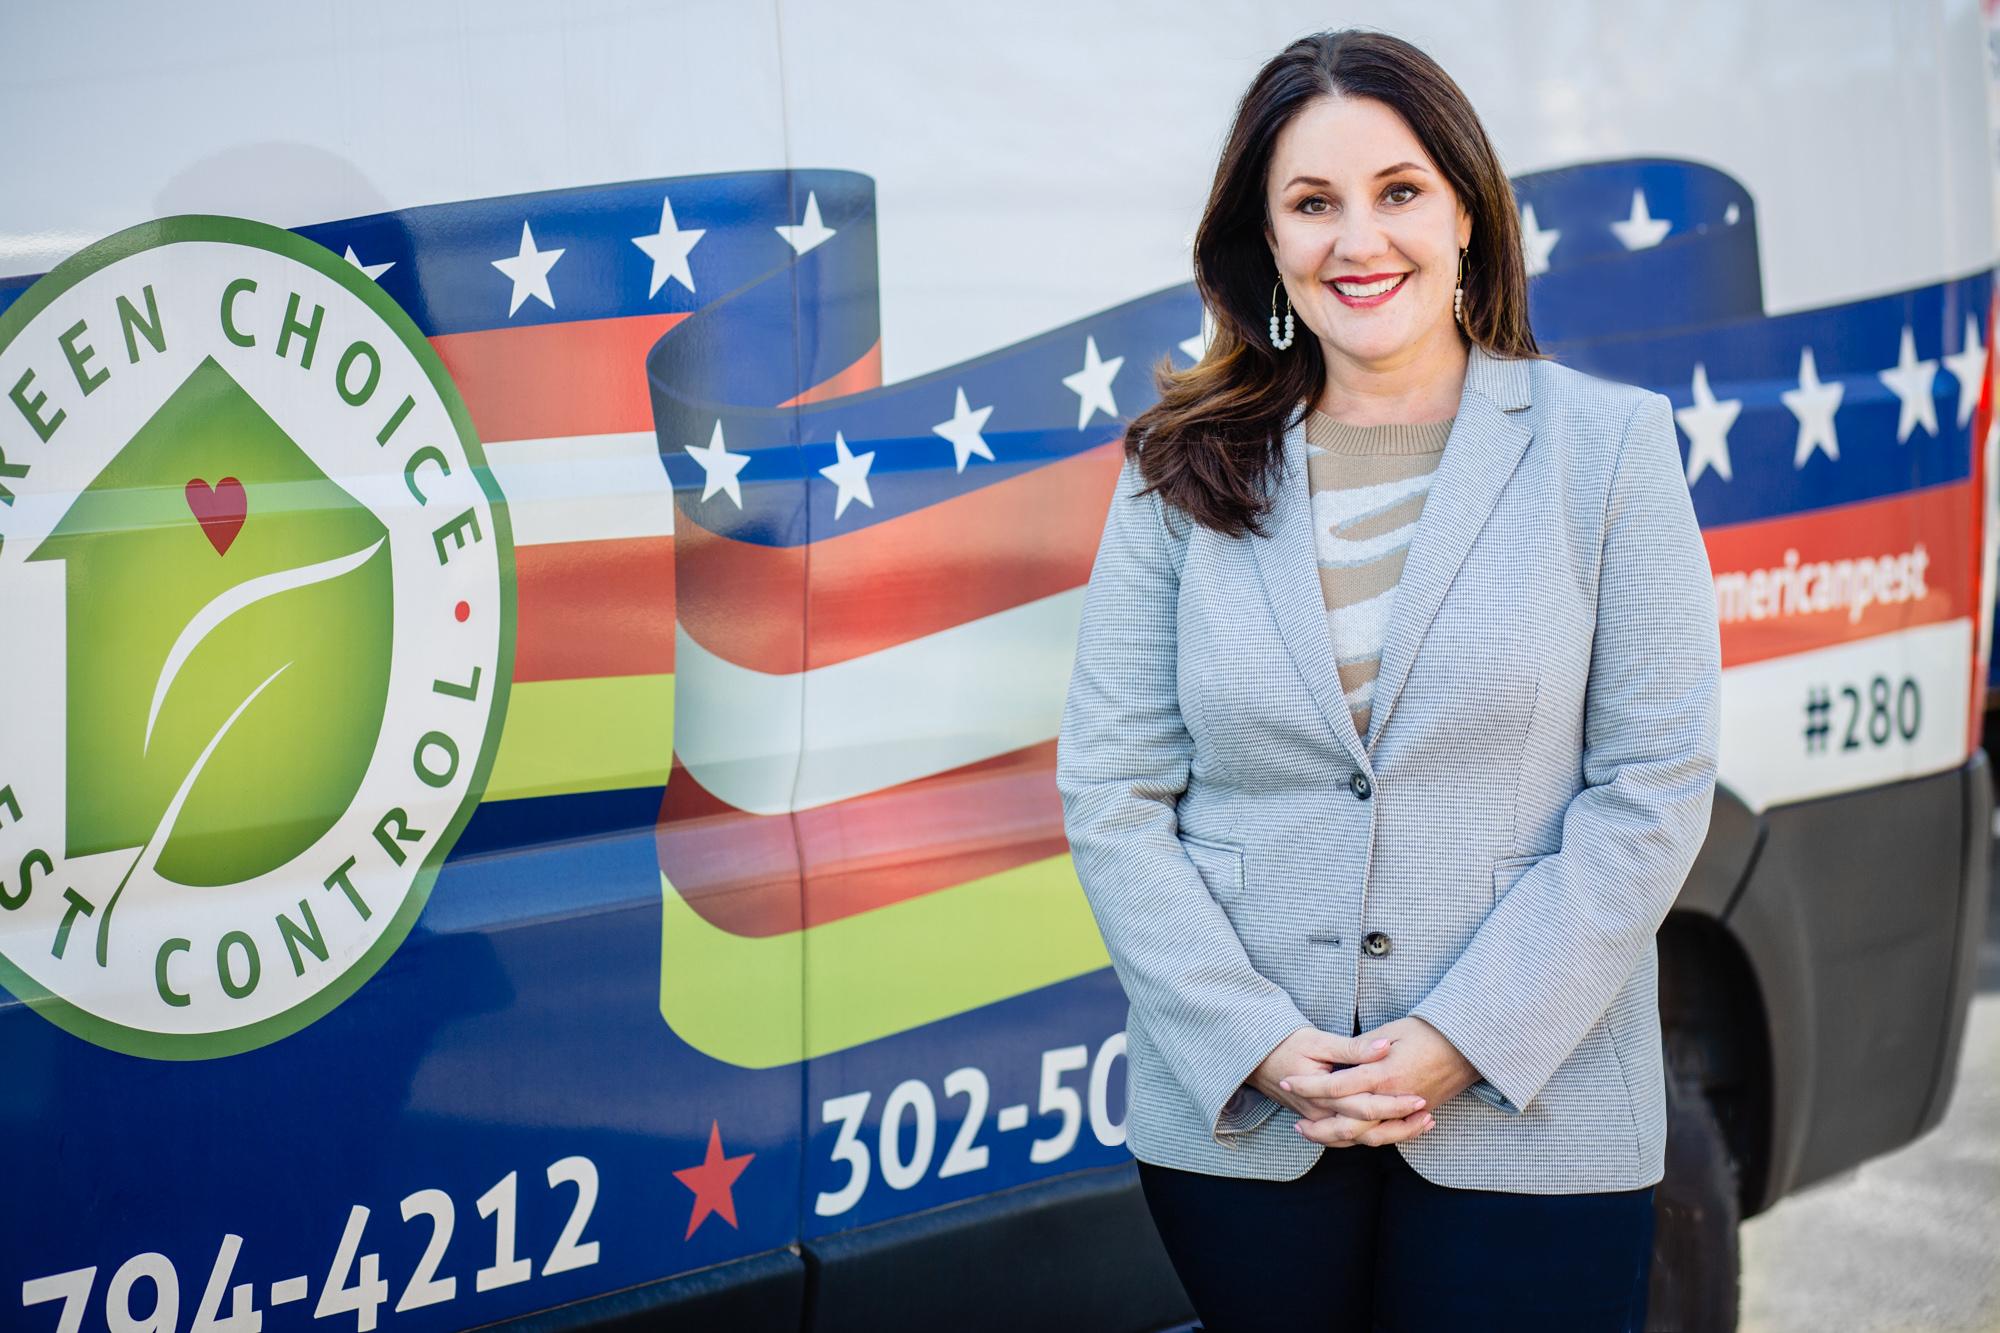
(1359, 784)
(1375, 943)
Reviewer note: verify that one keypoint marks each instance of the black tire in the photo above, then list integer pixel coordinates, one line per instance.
(1696, 1262)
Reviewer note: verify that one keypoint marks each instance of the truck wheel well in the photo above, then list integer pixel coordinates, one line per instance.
(1714, 1028)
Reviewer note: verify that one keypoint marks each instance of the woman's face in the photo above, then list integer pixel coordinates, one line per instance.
(1350, 194)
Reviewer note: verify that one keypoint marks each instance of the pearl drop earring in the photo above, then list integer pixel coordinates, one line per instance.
(1281, 343)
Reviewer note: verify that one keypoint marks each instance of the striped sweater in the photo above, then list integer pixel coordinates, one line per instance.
(1368, 485)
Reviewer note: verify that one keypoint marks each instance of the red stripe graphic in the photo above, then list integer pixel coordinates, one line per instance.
(584, 377)
(743, 602)
(595, 609)
(1770, 607)
(551, 381)
(886, 847)
(739, 870)
(944, 565)
(948, 564)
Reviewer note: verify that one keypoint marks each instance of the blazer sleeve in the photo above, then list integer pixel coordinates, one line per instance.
(1122, 762)
(1549, 958)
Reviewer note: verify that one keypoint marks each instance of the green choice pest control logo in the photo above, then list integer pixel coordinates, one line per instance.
(256, 631)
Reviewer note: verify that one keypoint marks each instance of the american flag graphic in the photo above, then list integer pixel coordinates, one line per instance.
(877, 591)
(1836, 457)
(814, 631)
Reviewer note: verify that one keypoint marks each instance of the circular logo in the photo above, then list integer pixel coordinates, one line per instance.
(258, 594)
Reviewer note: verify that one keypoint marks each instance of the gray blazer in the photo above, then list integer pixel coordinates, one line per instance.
(1495, 858)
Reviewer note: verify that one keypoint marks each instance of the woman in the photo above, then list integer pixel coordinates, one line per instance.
(1390, 740)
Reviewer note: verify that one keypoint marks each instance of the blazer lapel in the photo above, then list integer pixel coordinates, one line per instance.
(1480, 454)
(1288, 566)
(1486, 443)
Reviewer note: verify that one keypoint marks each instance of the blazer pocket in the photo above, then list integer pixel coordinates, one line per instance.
(1220, 865)
(1508, 872)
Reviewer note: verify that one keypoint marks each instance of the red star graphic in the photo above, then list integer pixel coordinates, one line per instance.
(711, 1181)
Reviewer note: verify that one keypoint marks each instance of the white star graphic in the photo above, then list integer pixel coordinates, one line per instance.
(963, 430)
(1196, 347)
(668, 249)
(374, 271)
(1641, 231)
(719, 467)
(1731, 214)
(1910, 381)
(1813, 404)
(805, 235)
(529, 272)
(1966, 366)
(1092, 384)
(1536, 242)
(850, 474)
(1707, 424)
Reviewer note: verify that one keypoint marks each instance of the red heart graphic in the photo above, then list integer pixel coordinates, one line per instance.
(221, 509)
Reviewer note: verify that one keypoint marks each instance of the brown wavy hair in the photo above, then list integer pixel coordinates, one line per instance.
(1217, 430)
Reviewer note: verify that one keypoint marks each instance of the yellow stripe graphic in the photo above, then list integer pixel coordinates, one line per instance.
(564, 736)
(737, 998)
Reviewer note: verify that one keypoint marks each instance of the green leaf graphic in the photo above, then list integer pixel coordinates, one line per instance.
(139, 569)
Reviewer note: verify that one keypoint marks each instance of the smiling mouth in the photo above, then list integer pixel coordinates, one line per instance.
(1368, 290)
(1381, 294)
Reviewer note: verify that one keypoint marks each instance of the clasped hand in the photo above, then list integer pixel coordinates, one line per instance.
(1349, 1090)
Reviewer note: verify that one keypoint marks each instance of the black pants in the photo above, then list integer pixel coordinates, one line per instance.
(1362, 1242)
